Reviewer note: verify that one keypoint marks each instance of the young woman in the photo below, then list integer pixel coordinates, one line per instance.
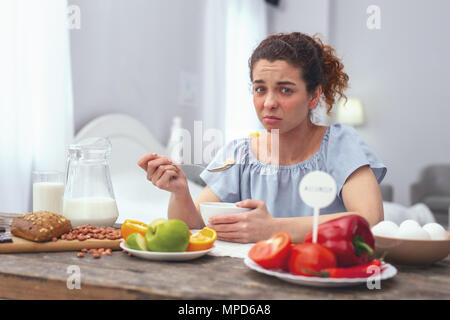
(290, 74)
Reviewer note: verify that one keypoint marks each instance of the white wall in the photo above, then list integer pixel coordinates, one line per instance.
(128, 56)
(300, 15)
(400, 72)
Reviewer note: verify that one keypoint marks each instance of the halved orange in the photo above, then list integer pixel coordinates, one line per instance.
(202, 240)
(132, 226)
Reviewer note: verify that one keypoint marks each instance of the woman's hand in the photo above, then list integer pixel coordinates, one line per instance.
(164, 173)
(246, 227)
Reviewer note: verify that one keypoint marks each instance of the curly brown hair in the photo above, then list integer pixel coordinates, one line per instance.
(317, 62)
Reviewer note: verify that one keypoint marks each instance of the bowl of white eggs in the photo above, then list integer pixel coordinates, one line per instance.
(410, 243)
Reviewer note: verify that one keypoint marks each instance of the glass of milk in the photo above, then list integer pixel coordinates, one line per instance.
(48, 191)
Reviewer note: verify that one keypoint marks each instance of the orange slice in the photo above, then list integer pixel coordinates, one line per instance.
(132, 226)
(202, 240)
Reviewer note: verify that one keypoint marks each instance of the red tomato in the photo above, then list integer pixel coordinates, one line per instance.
(285, 265)
(309, 258)
(272, 253)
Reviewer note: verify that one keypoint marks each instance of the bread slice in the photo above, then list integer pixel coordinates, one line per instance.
(40, 226)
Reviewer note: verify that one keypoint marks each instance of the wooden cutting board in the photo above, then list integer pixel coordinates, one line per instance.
(22, 245)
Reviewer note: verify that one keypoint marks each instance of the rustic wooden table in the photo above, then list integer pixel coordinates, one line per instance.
(45, 275)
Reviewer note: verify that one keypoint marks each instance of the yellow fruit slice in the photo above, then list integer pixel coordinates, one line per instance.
(202, 240)
(132, 226)
(254, 135)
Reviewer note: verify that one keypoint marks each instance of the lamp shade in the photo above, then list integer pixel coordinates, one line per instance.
(351, 112)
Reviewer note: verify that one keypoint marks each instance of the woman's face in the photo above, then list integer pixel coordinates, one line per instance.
(279, 96)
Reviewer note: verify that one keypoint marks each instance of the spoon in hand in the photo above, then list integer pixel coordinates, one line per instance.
(227, 164)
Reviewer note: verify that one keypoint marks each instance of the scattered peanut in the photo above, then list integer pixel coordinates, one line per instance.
(96, 253)
(86, 231)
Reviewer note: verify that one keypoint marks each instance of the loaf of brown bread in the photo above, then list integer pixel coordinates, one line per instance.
(40, 226)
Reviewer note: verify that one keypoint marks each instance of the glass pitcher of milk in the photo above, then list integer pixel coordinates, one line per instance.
(88, 195)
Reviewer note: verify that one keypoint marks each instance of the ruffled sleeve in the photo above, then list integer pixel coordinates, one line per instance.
(226, 184)
(347, 152)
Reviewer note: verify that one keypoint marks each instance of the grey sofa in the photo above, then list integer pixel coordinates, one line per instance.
(387, 192)
(433, 189)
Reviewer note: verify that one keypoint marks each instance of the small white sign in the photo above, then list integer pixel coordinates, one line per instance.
(318, 190)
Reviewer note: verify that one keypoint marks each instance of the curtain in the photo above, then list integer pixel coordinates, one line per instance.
(214, 64)
(233, 30)
(246, 27)
(36, 105)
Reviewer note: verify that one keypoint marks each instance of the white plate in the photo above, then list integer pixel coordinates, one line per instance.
(165, 256)
(389, 272)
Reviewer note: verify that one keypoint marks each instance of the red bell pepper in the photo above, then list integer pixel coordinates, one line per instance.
(349, 237)
(272, 253)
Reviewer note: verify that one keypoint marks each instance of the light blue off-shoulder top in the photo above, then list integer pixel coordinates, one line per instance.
(341, 152)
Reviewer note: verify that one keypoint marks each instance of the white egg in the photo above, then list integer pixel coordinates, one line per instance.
(385, 229)
(412, 231)
(409, 222)
(436, 231)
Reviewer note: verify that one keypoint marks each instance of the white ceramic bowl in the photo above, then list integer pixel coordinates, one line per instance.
(211, 209)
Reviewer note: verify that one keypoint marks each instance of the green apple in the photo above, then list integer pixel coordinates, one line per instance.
(167, 236)
(156, 222)
(136, 241)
